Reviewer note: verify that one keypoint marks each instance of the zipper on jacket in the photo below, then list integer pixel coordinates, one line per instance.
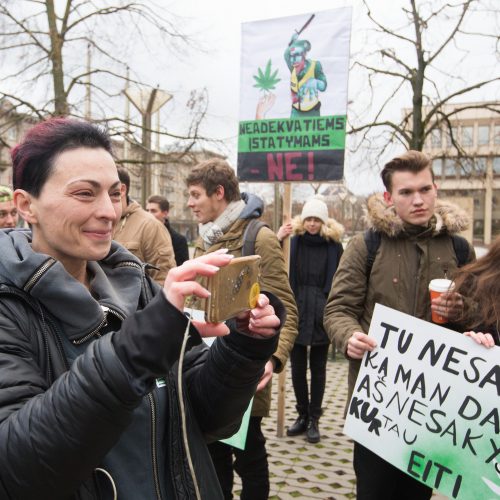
(38, 274)
(96, 331)
(154, 455)
(128, 263)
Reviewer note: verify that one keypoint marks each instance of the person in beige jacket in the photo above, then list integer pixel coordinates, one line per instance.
(416, 246)
(224, 213)
(140, 233)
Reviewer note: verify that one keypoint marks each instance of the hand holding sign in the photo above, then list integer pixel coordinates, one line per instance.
(358, 344)
(426, 401)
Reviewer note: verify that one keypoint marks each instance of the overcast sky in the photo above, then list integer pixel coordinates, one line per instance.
(217, 27)
(213, 62)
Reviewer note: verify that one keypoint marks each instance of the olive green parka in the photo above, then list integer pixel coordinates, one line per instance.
(407, 259)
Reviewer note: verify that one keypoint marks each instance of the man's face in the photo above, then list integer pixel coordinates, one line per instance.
(413, 196)
(8, 214)
(206, 208)
(297, 57)
(154, 209)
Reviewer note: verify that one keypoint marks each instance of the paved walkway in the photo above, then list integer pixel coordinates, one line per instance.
(323, 470)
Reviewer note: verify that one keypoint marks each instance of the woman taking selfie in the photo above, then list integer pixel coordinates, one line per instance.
(91, 348)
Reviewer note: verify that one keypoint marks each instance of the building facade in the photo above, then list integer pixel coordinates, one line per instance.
(466, 162)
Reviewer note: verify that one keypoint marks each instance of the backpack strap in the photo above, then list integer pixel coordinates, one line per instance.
(372, 242)
(250, 235)
(461, 247)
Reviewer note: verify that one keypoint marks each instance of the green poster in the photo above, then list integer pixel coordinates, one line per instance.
(238, 439)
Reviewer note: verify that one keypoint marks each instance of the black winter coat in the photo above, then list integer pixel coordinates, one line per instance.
(179, 243)
(313, 262)
(88, 391)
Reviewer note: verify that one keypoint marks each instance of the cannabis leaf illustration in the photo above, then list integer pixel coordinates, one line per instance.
(266, 80)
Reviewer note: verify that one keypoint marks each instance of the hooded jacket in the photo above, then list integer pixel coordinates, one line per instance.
(274, 279)
(312, 290)
(88, 382)
(143, 235)
(407, 259)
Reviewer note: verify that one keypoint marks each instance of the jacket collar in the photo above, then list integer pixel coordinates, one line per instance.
(116, 283)
(448, 218)
(132, 207)
(232, 237)
(331, 230)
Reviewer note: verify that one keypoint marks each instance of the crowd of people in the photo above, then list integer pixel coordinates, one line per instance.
(107, 388)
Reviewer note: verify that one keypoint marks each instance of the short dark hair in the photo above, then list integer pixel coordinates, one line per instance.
(161, 201)
(33, 158)
(411, 161)
(213, 173)
(124, 177)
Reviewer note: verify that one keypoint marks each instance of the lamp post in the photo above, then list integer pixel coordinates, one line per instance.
(147, 102)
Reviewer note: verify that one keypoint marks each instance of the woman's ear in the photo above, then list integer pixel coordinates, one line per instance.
(24, 204)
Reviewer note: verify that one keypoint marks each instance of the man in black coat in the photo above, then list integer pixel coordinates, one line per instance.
(159, 207)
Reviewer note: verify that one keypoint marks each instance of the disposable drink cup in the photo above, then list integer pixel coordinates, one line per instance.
(436, 288)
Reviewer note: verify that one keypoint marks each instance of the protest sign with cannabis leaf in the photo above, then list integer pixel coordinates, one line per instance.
(266, 80)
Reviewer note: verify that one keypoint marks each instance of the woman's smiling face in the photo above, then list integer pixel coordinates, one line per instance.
(79, 205)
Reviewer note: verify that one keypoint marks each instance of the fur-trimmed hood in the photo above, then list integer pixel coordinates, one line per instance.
(449, 217)
(332, 230)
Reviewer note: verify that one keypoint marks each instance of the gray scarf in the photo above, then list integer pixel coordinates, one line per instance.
(212, 232)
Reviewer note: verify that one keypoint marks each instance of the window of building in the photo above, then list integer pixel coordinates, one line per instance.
(495, 227)
(496, 165)
(497, 134)
(483, 135)
(454, 134)
(466, 167)
(480, 165)
(478, 228)
(450, 169)
(467, 136)
(12, 134)
(436, 138)
(437, 167)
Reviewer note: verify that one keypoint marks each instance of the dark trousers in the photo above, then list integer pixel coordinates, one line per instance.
(250, 464)
(379, 480)
(318, 355)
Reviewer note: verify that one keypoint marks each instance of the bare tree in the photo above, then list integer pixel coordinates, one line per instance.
(44, 44)
(423, 65)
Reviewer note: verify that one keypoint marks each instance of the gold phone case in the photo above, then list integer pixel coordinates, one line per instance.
(233, 289)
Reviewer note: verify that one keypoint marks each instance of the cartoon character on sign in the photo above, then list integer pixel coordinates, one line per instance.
(307, 78)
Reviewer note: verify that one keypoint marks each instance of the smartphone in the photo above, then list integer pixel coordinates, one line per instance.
(233, 289)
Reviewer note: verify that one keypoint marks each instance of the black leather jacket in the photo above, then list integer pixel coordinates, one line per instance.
(88, 391)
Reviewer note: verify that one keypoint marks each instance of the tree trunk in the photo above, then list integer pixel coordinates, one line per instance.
(417, 82)
(56, 43)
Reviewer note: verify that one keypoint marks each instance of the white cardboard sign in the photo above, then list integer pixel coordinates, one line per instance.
(427, 400)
